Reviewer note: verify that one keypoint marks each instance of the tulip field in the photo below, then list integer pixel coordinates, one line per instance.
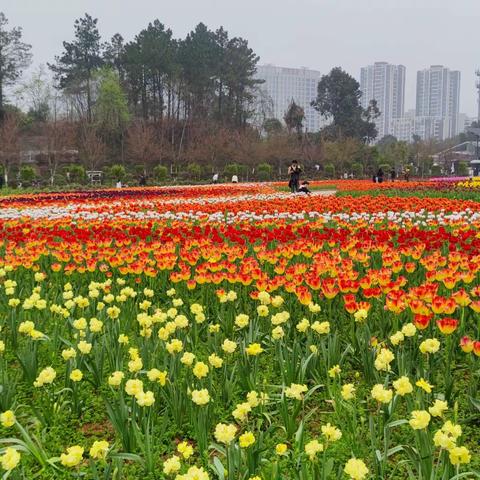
(239, 332)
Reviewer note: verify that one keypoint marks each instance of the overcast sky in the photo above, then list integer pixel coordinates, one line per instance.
(319, 34)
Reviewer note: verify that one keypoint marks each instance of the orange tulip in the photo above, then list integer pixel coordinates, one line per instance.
(417, 306)
(410, 267)
(421, 321)
(475, 306)
(461, 297)
(449, 306)
(438, 304)
(447, 325)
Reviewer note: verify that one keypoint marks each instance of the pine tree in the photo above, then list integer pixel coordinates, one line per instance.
(75, 68)
(15, 56)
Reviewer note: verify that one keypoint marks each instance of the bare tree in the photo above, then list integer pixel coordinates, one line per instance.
(37, 93)
(262, 107)
(60, 139)
(9, 143)
(141, 143)
(341, 153)
(92, 148)
(312, 150)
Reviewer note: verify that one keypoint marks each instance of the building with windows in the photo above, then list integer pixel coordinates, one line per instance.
(427, 128)
(282, 85)
(384, 83)
(438, 96)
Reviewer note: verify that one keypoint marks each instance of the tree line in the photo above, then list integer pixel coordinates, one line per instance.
(158, 105)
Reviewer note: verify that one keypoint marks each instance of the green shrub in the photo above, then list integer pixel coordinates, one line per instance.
(138, 170)
(194, 170)
(27, 175)
(160, 173)
(462, 169)
(386, 167)
(59, 180)
(117, 172)
(233, 169)
(329, 170)
(357, 169)
(264, 171)
(76, 174)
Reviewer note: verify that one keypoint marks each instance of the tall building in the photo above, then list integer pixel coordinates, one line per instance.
(283, 85)
(438, 96)
(384, 83)
(427, 128)
(454, 101)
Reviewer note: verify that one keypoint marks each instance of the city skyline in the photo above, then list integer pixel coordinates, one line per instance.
(436, 113)
(318, 34)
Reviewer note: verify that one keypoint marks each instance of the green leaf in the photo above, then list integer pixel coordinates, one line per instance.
(396, 423)
(475, 403)
(328, 467)
(299, 433)
(394, 450)
(465, 475)
(312, 391)
(127, 456)
(218, 448)
(218, 468)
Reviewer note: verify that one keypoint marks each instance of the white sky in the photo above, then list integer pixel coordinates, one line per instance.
(318, 34)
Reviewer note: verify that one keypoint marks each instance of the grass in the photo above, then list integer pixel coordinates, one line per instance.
(324, 187)
(448, 194)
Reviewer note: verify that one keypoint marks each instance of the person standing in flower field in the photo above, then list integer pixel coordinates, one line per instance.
(294, 170)
(380, 175)
(393, 174)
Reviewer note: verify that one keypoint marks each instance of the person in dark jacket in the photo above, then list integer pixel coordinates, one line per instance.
(380, 175)
(294, 170)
